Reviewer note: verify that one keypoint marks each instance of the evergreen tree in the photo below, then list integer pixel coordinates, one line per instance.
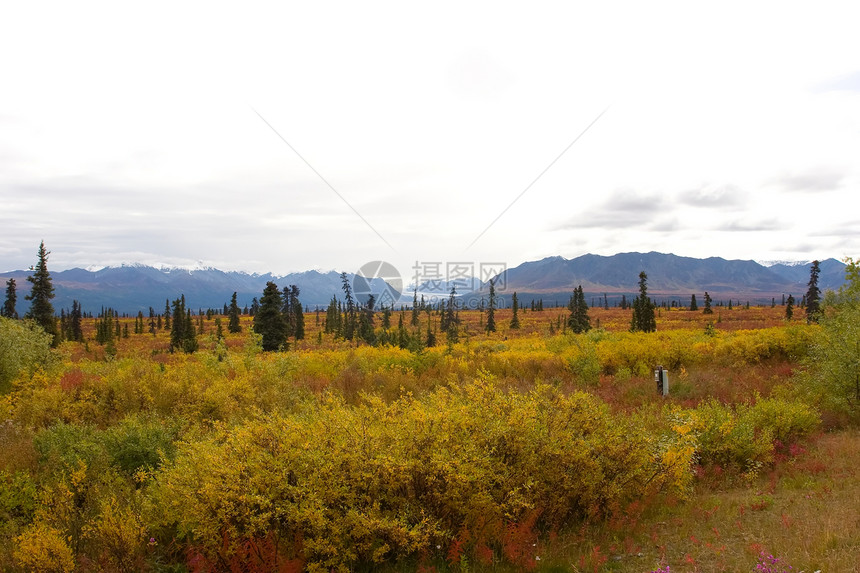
(297, 321)
(386, 317)
(104, 326)
(415, 309)
(708, 300)
(693, 305)
(430, 341)
(166, 314)
(365, 321)
(350, 321)
(41, 309)
(183, 334)
(8, 309)
(578, 320)
(450, 319)
(623, 302)
(643, 309)
(813, 295)
(75, 331)
(789, 307)
(515, 305)
(491, 308)
(269, 320)
(233, 314)
(332, 317)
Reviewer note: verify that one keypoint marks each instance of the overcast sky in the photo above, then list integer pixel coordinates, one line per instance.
(148, 133)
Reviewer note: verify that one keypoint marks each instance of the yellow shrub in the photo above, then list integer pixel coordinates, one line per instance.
(43, 549)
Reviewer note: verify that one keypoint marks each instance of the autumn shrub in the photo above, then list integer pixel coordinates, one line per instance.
(728, 437)
(139, 444)
(378, 481)
(742, 437)
(24, 346)
(18, 502)
(62, 448)
(43, 549)
(785, 420)
(117, 536)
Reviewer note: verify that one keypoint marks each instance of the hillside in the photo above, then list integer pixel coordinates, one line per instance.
(133, 288)
(668, 275)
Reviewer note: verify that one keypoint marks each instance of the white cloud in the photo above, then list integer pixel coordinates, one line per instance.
(132, 133)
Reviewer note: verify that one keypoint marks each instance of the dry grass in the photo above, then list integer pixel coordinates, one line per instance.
(806, 512)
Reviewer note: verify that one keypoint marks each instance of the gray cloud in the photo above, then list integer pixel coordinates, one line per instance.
(624, 209)
(628, 200)
(111, 223)
(711, 196)
(754, 226)
(844, 229)
(812, 181)
(668, 225)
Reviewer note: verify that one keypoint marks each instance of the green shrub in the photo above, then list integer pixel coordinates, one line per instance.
(23, 347)
(786, 421)
(136, 444)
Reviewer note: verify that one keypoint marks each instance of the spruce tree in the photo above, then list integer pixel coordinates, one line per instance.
(708, 300)
(183, 334)
(813, 295)
(297, 321)
(693, 305)
(75, 331)
(386, 317)
(365, 321)
(491, 308)
(415, 309)
(451, 321)
(269, 320)
(350, 321)
(515, 305)
(166, 314)
(578, 320)
(233, 314)
(41, 309)
(8, 309)
(643, 309)
(789, 307)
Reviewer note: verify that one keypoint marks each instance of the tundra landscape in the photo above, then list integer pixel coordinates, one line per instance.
(432, 437)
(454, 287)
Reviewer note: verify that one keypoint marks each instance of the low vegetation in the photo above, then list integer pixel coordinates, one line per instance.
(524, 448)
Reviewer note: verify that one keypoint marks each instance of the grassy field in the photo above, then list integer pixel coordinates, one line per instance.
(523, 449)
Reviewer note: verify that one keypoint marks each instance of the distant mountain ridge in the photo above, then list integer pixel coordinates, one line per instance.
(133, 287)
(668, 274)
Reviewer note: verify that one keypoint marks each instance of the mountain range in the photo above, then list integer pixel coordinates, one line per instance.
(132, 288)
(669, 277)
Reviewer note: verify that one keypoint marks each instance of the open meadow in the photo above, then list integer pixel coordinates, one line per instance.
(524, 449)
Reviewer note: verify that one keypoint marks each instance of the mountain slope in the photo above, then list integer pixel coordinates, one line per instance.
(132, 288)
(667, 274)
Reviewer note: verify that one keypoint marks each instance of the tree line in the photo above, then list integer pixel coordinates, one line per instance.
(278, 315)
